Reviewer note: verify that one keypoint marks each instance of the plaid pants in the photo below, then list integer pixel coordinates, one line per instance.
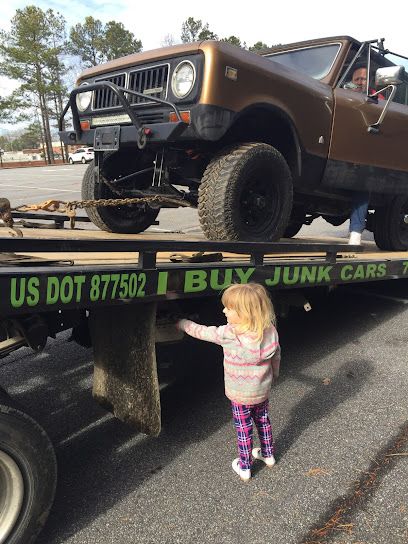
(244, 415)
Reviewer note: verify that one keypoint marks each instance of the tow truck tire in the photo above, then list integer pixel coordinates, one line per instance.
(246, 193)
(389, 227)
(28, 475)
(121, 219)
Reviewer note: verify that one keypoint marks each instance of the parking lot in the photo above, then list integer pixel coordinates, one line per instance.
(339, 414)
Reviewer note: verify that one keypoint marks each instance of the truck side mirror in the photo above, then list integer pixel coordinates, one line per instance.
(390, 75)
(387, 78)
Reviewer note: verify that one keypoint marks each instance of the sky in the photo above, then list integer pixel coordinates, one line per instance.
(270, 22)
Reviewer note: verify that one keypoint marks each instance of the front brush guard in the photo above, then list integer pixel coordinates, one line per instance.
(141, 138)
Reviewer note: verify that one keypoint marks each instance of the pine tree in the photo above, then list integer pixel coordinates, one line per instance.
(30, 54)
(95, 43)
(192, 31)
(86, 41)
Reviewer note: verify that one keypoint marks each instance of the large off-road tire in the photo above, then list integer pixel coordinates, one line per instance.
(389, 226)
(296, 222)
(28, 475)
(246, 194)
(292, 229)
(122, 219)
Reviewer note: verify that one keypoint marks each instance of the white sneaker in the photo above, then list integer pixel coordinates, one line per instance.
(355, 238)
(244, 474)
(257, 454)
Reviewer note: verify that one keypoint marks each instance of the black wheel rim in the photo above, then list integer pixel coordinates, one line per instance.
(258, 203)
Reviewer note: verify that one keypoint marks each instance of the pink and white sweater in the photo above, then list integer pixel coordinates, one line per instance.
(249, 364)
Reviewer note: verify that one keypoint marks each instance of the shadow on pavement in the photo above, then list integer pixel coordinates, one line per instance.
(340, 512)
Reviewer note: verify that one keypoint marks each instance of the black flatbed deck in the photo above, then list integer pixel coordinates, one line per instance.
(51, 270)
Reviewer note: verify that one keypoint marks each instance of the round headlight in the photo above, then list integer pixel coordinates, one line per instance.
(183, 79)
(83, 99)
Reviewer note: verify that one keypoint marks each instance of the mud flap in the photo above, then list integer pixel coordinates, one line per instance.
(125, 371)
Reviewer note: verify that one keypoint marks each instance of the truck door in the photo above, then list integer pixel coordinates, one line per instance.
(360, 160)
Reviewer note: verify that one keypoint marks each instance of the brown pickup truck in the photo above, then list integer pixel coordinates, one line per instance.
(260, 144)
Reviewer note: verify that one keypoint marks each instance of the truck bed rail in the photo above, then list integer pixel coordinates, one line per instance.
(148, 249)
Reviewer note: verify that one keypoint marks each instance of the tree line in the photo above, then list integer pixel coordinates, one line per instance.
(38, 52)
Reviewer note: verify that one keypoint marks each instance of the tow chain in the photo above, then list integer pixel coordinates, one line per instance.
(70, 207)
(5, 215)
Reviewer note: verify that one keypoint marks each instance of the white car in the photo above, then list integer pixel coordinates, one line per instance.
(84, 155)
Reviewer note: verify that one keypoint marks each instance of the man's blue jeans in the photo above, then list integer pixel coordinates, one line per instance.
(359, 211)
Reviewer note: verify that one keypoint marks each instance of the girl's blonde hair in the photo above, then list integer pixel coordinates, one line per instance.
(253, 305)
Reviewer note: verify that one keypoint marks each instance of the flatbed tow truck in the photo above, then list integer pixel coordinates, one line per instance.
(120, 293)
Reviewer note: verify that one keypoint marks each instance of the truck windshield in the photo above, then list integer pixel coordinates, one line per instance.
(313, 61)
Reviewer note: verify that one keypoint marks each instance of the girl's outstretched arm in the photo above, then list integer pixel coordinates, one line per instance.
(202, 332)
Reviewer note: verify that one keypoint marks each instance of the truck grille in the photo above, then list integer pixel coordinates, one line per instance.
(105, 98)
(149, 81)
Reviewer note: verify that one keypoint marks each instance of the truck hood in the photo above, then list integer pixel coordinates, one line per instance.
(139, 58)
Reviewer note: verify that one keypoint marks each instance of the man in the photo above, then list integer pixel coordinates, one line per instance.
(359, 203)
(359, 79)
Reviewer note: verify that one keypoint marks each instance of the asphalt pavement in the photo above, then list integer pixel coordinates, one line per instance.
(339, 416)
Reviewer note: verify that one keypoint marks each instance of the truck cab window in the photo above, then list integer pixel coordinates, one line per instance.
(313, 61)
(363, 65)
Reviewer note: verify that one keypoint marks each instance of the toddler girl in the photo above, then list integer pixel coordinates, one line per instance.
(251, 363)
